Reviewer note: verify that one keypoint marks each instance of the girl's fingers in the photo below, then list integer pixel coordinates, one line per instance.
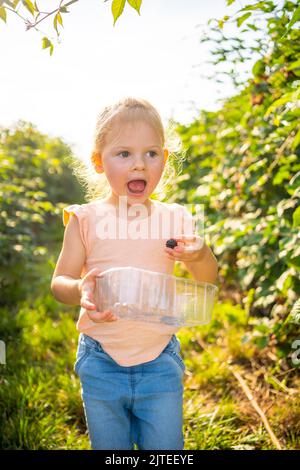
(87, 298)
(196, 246)
(107, 315)
(88, 305)
(88, 301)
(179, 248)
(89, 281)
(172, 258)
(170, 251)
(188, 243)
(112, 317)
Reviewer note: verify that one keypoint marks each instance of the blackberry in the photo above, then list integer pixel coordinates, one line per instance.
(171, 243)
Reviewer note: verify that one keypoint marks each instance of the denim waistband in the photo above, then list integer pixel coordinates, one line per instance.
(92, 343)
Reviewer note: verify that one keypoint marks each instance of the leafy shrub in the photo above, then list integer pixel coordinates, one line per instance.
(35, 182)
(244, 166)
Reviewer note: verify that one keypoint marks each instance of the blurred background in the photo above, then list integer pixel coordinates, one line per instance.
(155, 55)
(226, 76)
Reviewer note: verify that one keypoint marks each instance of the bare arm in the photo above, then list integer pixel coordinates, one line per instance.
(201, 262)
(206, 268)
(67, 286)
(66, 281)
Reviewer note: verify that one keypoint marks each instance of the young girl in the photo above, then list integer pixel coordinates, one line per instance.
(130, 371)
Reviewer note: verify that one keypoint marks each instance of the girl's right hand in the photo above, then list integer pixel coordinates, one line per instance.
(86, 288)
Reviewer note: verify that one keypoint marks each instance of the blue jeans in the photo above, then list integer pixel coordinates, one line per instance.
(139, 404)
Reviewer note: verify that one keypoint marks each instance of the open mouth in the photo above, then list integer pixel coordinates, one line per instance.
(137, 187)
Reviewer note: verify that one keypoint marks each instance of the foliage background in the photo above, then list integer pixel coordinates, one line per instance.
(243, 164)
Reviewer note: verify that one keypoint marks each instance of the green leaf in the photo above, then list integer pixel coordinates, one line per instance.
(264, 6)
(294, 65)
(296, 141)
(295, 18)
(70, 3)
(287, 97)
(252, 26)
(222, 21)
(258, 68)
(29, 6)
(57, 18)
(117, 8)
(11, 4)
(294, 316)
(296, 218)
(3, 14)
(229, 2)
(261, 341)
(47, 43)
(136, 4)
(55, 23)
(243, 18)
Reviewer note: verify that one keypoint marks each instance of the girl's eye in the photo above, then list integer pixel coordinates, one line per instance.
(124, 151)
(152, 152)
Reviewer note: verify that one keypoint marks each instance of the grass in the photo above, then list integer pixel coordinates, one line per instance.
(40, 400)
(218, 415)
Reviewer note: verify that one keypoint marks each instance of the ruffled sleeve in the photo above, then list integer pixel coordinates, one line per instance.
(81, 213)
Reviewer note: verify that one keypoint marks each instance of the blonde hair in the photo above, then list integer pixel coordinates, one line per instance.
(95, 184)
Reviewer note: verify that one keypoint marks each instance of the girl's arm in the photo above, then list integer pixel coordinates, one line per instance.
(201, 263)
(66, 281)
(67, 285)
(205, 269)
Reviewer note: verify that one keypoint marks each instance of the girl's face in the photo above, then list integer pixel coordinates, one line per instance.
(133, 160)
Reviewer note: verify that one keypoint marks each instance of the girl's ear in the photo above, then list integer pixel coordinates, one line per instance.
(97, 162)
(166, 154)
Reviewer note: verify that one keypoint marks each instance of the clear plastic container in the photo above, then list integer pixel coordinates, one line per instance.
(139, 294)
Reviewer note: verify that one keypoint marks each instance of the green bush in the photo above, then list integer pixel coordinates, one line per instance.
(35, 183)
(244, 165)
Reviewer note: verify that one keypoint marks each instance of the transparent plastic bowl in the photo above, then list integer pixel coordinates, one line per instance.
(139, 294)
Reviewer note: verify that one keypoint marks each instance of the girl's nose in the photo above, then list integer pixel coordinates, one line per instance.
(139, 162)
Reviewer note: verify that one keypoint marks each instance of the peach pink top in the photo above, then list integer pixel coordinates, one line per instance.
(114, 239)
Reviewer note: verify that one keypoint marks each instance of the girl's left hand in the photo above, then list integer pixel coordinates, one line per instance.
(189, 248)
